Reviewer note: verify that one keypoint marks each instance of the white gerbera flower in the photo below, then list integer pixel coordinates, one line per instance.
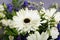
(54, 32)
(57, 16)
(1, 8)
(37, 36)
(26, 20)
(49, 13)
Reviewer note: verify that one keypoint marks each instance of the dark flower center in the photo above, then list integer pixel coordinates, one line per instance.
(26, 20)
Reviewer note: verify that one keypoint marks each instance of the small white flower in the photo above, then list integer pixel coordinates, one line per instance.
(2, 15)
(1, 8)
(11, 37)
(44, 35)
(10, 23)
(6, 22)
(57, 16)
(54, 32)
(37, 36)
(26, 20)
(49, 13)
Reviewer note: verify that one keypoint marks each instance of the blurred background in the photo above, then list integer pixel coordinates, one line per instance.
(47, 3)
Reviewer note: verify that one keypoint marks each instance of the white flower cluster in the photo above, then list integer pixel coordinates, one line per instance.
(54, 32)
(1, 7)
(30, 20)
(6, 22)
(44, 35)
(50, 13)
(38, 36)
(1, 11)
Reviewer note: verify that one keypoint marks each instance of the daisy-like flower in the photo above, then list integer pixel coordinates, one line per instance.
(54, 32)
(37, 36)
(48, 12)
(26, 20)
(1, 8)
(57, 16)
(44, 35)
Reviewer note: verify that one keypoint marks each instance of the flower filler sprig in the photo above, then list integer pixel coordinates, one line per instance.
(24, 20)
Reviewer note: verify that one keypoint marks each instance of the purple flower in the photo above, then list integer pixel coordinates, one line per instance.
(58, 26)
(58, 37)
(21, 37)
(10, 7)
(16, 9)
(32, 7)
(24, 37)
(18, 38)
(25, 3)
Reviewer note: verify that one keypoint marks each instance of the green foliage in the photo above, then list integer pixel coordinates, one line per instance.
(11, 31)
(43, 18)
(17, 3)
(52, 22)
(5, 37)
(4, 5)
(43, 27)
(9, 16)
(23, 33)
(13, 13)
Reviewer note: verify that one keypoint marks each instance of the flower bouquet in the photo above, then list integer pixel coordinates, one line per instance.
(24, 20)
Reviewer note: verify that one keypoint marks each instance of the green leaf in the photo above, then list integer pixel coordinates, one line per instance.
(11, 31)
(4, 5)
(9, 15)
(13, 13)
(17, 3)
(5, 37)
(43, 26)
(14, 1)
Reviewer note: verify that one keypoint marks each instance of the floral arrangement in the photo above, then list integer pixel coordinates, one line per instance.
(24, 20)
